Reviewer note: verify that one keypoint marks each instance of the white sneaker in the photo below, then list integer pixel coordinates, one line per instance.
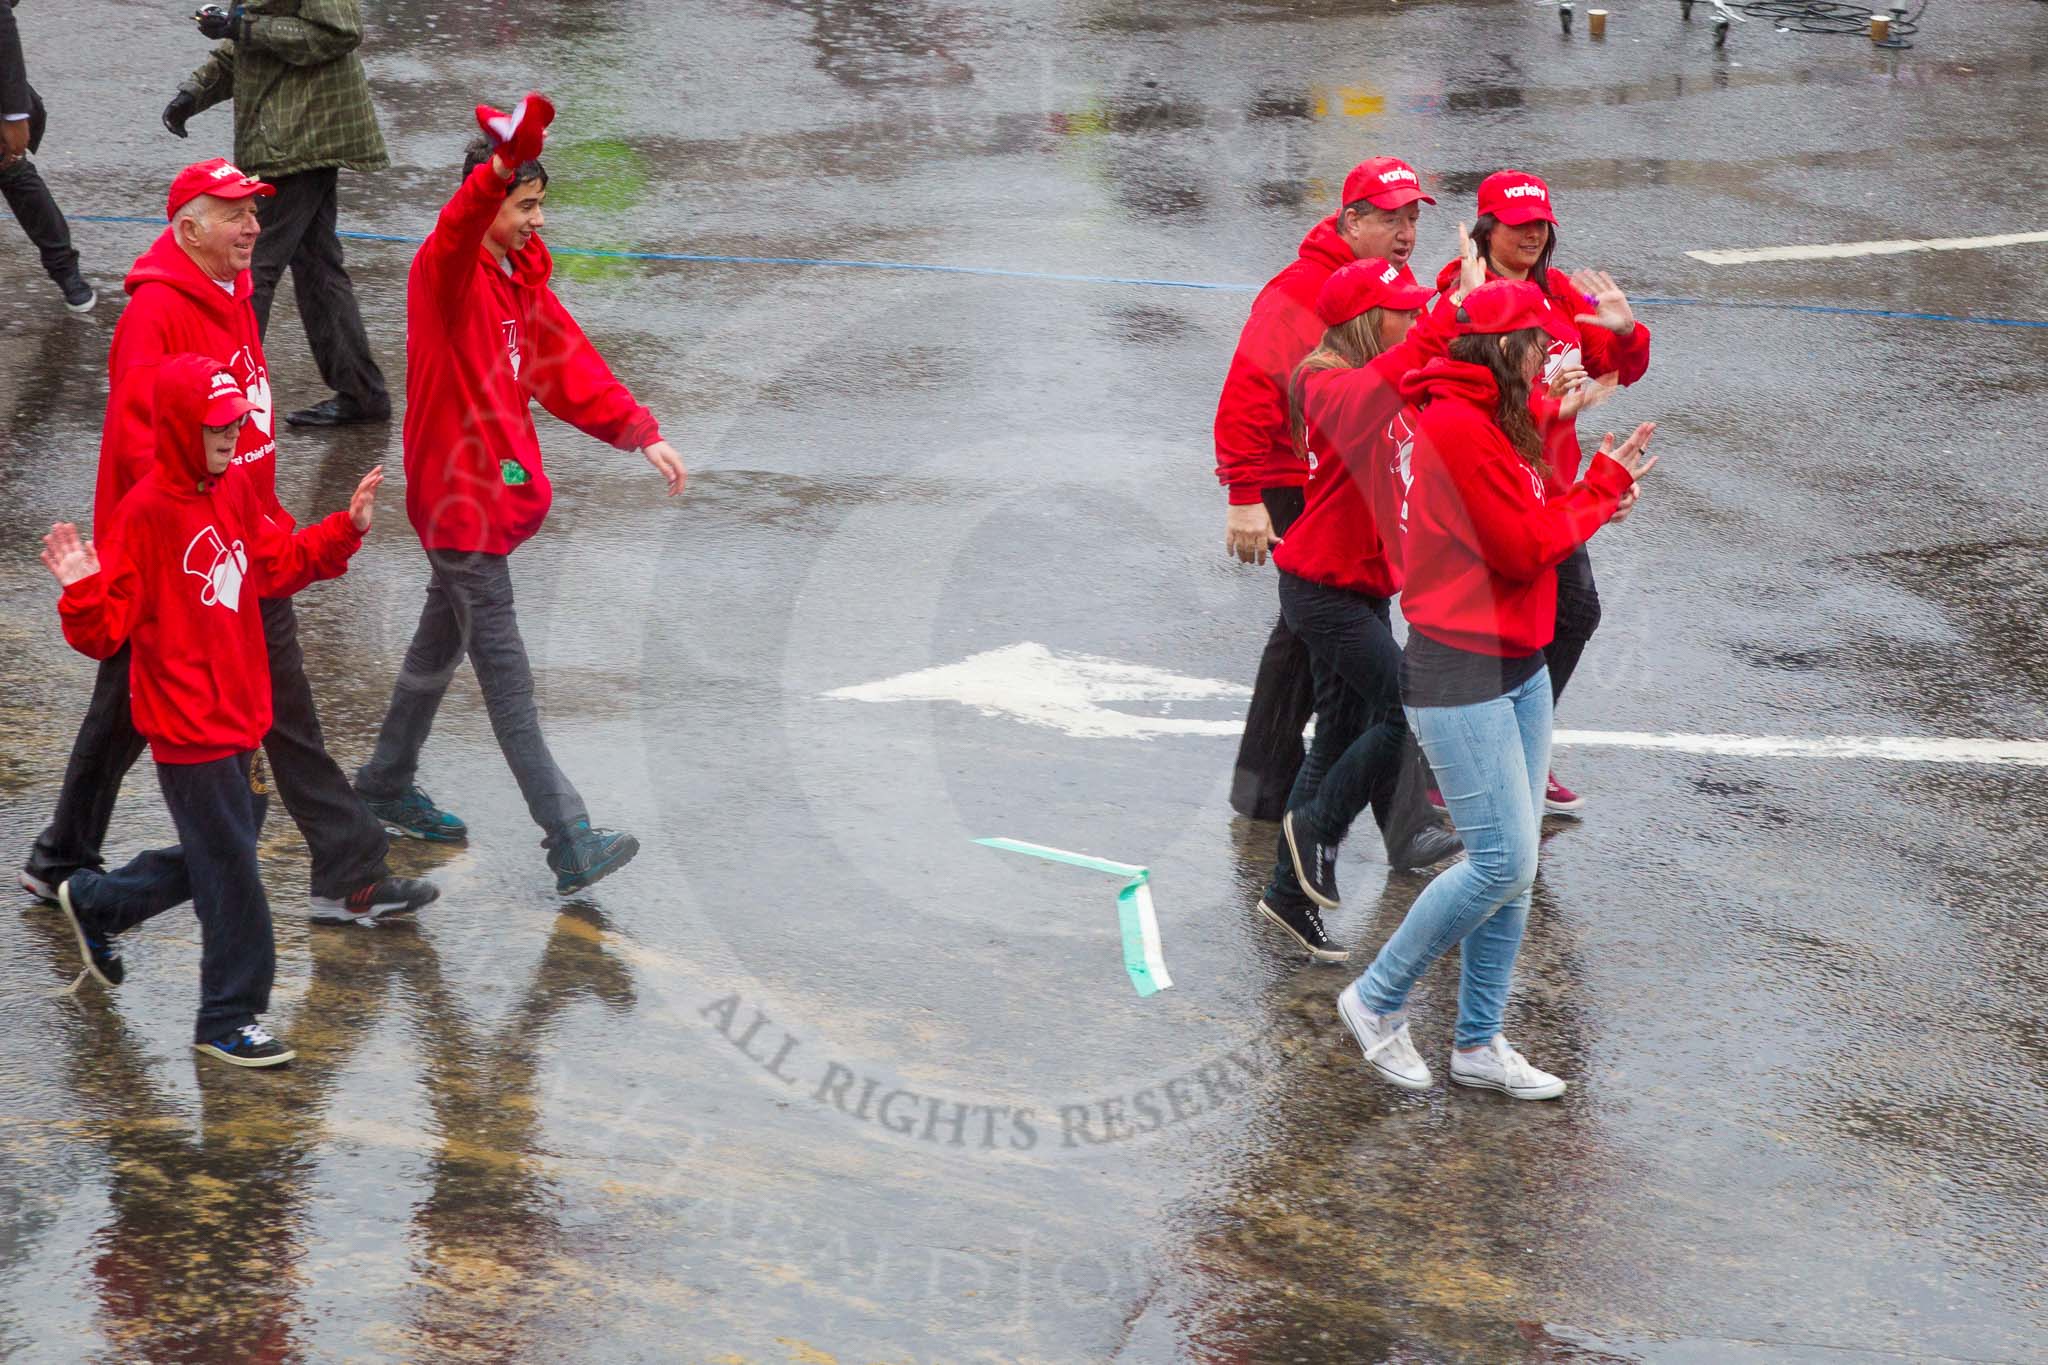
(1498, 1066)
(1384, 1037)
(36, 886)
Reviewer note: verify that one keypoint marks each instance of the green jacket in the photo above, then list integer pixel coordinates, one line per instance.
(301, 99)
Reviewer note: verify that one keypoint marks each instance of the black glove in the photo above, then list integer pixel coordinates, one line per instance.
(215, 22)
(181, 107)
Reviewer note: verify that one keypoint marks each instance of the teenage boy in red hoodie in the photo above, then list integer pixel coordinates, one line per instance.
(191, 551)
(1255, 460)
(485, 336)
(190, 294)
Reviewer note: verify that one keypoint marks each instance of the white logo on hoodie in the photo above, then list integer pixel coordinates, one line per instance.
(221, 569)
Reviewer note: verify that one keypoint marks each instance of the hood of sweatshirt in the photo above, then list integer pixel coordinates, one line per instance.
(166, 263)
(1325, 247)
(182, 383)
(1455, 379)
(532, 265)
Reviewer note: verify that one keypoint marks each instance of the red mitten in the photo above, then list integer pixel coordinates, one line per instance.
(517, 137)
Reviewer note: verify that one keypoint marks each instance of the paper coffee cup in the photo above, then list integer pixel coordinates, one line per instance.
(1596, 22)
(1880, 27)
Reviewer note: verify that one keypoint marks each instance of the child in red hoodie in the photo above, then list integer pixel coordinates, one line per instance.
(1486, 532)
(189, 551)
(485, 337)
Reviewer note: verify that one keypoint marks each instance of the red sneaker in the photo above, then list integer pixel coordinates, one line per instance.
(1559, 799)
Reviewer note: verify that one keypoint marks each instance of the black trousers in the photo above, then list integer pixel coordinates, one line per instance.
(298, 231)
(1578, 616)
(470, 612)
(1269, 757)
(348, 844)
(30, 201)
(1363, 755)
(219, 814)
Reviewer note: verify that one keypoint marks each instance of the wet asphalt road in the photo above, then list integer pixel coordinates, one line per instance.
(1800, 1001)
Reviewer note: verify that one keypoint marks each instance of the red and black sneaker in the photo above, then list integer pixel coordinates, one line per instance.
(379, 900)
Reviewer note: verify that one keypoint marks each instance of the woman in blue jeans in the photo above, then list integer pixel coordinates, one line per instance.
(1485, 536)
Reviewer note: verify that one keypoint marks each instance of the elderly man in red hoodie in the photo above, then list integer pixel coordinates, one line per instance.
(1255, 461)
(189, 293)
(190, 550)
(485, 337)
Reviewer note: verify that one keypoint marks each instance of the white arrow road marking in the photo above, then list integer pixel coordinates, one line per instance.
(1066, 692)
(1835, 251)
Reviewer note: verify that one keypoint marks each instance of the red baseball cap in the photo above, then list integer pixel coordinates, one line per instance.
(220, 177)
(1385, 182)
(1509, 306)
(1368, 283)
(1515, 198)
(225, 401)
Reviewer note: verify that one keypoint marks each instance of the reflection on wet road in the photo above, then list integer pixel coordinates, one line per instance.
(816, 1079)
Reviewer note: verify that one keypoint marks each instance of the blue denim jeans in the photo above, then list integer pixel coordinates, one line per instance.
(1491, 761)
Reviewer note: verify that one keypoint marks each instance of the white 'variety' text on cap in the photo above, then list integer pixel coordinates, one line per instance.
(1524, 192)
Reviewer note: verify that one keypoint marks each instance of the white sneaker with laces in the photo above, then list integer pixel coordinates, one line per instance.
(1497, 1066)
(1385, 1040)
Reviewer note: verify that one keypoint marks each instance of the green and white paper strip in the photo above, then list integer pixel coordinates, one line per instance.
(1144, 961)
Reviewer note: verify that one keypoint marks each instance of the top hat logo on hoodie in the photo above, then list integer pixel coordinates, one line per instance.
(221, 569)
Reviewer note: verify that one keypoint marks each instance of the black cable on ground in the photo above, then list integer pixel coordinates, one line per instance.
(1827, 16)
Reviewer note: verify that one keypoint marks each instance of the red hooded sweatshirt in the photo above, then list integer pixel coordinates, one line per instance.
(1598, 350)
(1253, 448)
(180, 576)
(480, 346)
(1484, 529)
(175, 308)
(1348, 533)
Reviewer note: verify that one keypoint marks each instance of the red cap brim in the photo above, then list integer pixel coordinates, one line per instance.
(1404, 298)
(1398, 197)
(240, 191)
(229, 407)
(1515, 215)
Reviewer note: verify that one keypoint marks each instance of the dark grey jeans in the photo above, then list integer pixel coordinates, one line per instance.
(469, 611)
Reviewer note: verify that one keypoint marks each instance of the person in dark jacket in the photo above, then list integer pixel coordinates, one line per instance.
(21, 133)
(302, 112)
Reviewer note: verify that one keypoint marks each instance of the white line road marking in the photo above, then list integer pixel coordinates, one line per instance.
(1835, 251)
(1059, 691)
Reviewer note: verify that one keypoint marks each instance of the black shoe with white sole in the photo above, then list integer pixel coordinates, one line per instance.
(1315, 862)
(249, 1045)
(102, 956)
(1299, 918)
(379, 900)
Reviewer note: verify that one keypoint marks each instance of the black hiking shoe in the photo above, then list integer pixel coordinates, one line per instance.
(1315, 862)
(337, 412)
(249, 1045)
(102, 956)
(374, 901)
(581, 855)
(79, 296)
(1427, 847)
(1299, 918)
(415, 816)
